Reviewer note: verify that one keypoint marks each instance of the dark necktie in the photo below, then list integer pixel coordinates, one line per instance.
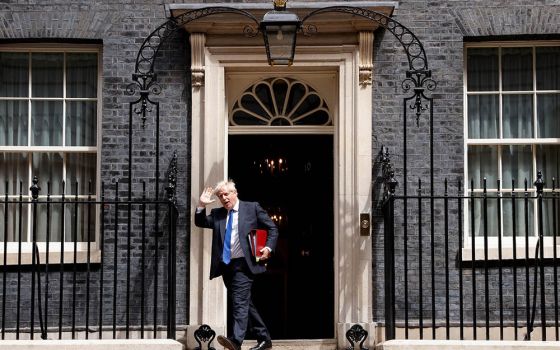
(226, 254)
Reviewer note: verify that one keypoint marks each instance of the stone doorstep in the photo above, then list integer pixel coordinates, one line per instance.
(109, 344)
(467, 345)
(319, 344)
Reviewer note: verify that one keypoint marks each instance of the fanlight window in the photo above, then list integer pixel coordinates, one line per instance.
(280, 102)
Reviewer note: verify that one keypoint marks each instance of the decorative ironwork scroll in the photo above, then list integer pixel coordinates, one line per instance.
(356, 334)
(204, 334)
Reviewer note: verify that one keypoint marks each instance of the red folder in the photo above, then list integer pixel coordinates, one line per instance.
(257, 241)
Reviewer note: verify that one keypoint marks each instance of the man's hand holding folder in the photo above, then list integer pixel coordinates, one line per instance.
(257, 244)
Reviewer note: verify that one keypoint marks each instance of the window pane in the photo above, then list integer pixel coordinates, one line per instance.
(14, 74)
(517, 72)
(15, 216)
(523, 222)
(46, 123)
(80, 168)
(548, 115)
(47, 74)
(81, 75)
(13, 123)
(548, 161)
(81, 123)
(518, 116)
(14, 168)
(483, 163)
(517, 164)
(551, 216)
(482, 69)
(483, 116)
(48, 168)
(79, 221)
(491, 222)
(55, 217)
(548, 68)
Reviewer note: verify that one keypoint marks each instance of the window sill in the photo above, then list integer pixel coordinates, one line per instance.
(54, 258)
(507, 253)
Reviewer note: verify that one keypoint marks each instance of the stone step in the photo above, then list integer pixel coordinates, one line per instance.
(312, 344)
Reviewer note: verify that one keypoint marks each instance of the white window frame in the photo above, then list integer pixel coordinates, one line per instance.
(13, 251)
(507, 241)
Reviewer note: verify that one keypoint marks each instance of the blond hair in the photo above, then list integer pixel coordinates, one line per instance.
(228, 185)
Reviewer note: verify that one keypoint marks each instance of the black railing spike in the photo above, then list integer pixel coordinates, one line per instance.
(498, 183)
(35, 189)
(526, 187)
(445, 186)
(484, 188)
(553, 183)
(539, 183)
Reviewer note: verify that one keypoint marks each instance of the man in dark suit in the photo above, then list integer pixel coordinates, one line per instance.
(232, 259)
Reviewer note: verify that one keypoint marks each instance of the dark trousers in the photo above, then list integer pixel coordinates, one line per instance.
(239, 280)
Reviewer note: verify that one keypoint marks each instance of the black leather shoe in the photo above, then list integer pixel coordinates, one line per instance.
(262, 345)
(228, 343)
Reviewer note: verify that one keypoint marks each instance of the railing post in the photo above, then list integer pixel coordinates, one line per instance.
(539, 184)
(34, 198)
(171, 261)
(389, 247)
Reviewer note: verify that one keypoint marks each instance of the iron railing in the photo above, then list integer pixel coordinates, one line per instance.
(444, 282)
(65, 275)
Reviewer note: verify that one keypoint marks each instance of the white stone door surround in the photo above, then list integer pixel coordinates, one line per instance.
(352, 170)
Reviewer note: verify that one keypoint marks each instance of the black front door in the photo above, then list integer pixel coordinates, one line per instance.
(291, 176)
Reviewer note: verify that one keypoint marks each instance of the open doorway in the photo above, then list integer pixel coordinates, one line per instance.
(291, 176)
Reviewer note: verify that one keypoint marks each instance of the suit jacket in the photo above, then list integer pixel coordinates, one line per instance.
(250, 216)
